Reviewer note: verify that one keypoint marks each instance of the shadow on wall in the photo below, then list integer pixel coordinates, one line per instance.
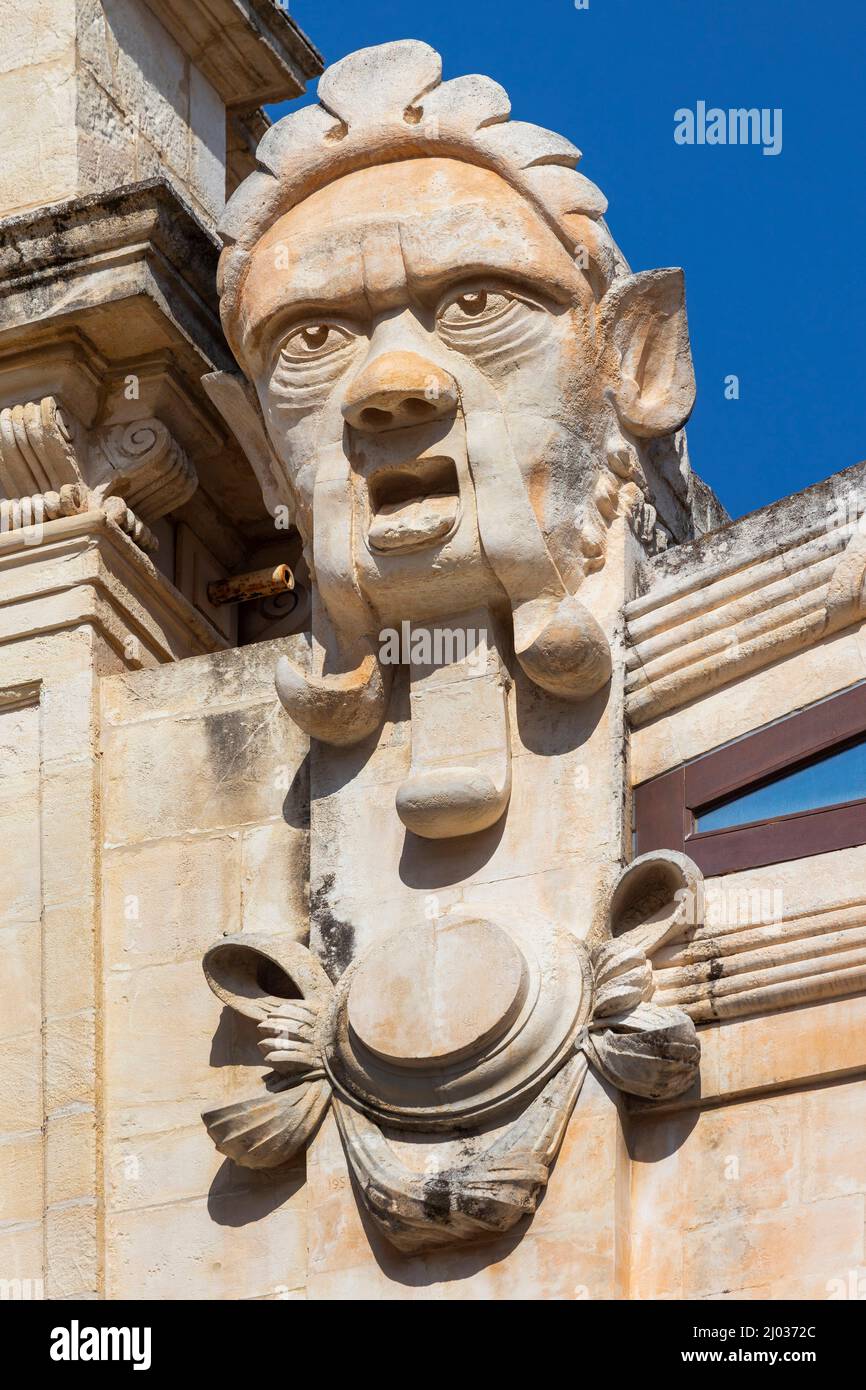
(240, 1196)
(651, 1138)
(431, 864)
(234, 1042)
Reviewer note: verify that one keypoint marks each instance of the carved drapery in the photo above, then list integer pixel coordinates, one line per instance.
(501, 1068)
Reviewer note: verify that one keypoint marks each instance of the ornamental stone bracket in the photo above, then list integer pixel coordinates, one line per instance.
(470, 1027)
(52, 466)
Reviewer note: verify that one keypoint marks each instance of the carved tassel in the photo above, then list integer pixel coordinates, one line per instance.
(270, 1129)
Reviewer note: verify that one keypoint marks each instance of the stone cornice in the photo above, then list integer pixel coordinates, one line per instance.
(101, 291)
(747, 595)
(139, 240)
(250, 50)
(86, 571)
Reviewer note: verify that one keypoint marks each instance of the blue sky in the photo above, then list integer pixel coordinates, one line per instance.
(773, 246)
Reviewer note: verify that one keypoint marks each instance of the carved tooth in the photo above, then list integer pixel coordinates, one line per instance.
(340, 708)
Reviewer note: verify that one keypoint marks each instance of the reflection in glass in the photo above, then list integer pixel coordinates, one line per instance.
(837, 777)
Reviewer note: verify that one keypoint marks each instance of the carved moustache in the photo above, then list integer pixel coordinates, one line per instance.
(557, 641)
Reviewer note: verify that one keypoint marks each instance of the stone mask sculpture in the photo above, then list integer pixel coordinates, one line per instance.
(455, 381)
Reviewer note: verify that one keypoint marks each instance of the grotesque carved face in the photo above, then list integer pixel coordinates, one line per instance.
(455, 379)
(456, 376)
(417, 334)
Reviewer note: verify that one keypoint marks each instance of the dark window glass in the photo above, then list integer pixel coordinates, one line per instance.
(829, 781)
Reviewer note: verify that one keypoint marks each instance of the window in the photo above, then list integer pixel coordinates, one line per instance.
(792, 789)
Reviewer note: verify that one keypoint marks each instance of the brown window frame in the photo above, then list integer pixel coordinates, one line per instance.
(665, 807)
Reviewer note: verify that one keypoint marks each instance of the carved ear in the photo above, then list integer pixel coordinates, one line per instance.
(643, 320)
(236, 402)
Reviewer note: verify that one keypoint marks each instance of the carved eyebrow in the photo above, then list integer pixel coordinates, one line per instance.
(430, 287)
(344, 292)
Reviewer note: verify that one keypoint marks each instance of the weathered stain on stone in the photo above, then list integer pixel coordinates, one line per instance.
(337, 937)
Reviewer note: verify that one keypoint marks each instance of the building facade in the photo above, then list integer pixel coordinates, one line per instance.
(368, 639)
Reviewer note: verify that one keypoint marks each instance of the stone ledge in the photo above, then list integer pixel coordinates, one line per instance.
(95, 288)
(745, 596)
(737, 543)
(250, 50)
(141, 240)
(86, 571)
(743, 1058)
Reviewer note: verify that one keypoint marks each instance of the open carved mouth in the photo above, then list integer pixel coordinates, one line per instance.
(413, 505)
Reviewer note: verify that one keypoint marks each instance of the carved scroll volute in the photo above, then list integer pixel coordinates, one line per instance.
(281, 986)
(656, 899)
(40, 448)
(142, 463)
(51, 466)
(639, 1046)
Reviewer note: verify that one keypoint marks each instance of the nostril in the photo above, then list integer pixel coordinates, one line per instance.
(414, 405)
(375, 418)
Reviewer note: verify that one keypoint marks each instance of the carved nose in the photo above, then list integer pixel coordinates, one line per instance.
(398, 389)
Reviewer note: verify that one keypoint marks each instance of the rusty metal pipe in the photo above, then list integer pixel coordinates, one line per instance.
(242, 588)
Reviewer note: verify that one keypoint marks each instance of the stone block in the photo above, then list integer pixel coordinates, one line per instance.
(70, 1156)
(791, 1254)
(70, 1060)
(21, 1256)
(21, 1162)
(167, 900)
(206, 1249)
(21, 1084)
(834, 1141)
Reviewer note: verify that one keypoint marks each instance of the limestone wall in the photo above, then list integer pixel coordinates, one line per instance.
(750, 1187)
(69, 606)
(204, 820)
(157, 795)
(21, 1100)
(753, 1187)
(758, 1197)
(99, 94)
(721, 1195)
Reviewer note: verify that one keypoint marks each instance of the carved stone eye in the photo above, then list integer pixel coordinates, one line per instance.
(477, 306)
(314, 340)
(474, 303)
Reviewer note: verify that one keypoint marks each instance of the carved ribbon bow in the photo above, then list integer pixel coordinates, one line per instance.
(638, 1046)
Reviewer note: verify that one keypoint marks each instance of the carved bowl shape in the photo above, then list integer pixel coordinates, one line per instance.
(449, 1023)
(256, 972)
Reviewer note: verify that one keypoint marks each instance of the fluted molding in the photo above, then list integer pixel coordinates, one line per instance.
(685, 641)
